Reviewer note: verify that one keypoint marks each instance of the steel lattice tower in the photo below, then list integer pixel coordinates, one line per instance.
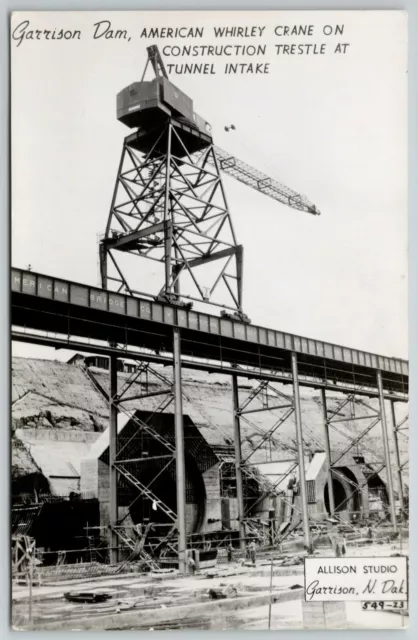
(169, 203)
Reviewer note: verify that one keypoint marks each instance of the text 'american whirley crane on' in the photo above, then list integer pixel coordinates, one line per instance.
(169, 202)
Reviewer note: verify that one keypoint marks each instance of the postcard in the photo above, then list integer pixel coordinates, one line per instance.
(209, 320)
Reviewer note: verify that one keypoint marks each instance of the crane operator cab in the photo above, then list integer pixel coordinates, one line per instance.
(149, 105)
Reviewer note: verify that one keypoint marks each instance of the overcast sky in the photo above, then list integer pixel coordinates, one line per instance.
(333, 127)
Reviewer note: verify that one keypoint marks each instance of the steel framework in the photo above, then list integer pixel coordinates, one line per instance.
(262, 182)
(169, 203)
(376, 417)
(169, 206)
(399, 431)
(122, 464)
(342, 415)
(285, 404)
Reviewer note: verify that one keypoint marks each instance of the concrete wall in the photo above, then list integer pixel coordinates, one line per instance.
(211, 480)
(89, 477)
(63, 435)
(192, 515)
(233, 513)
(262, 510)
(95, 481)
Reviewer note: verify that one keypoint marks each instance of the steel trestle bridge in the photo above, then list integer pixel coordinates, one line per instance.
(63, 314)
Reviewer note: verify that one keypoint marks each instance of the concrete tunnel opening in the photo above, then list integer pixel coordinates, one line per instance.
(340, 496)
(162, 482)
(155, 468)
(346, 492)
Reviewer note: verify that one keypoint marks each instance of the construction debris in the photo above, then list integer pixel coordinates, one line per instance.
(86, 596)
(228, 591)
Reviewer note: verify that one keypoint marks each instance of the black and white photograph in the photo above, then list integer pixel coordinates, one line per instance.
(209, 320)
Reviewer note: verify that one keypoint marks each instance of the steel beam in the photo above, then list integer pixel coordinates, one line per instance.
(278, 406)
(201, 365)
(301, 460)
(113, 473)
(180, 461)
(238, 461)
(398, 460)
(168, 227)
(386, 451)
(103, 265)
(224, 253)
(328, 451)
(141, 396)
(136, 235)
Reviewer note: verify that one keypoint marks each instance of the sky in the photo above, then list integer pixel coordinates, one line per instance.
(333, 127)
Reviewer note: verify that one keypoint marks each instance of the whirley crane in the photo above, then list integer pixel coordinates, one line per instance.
(169, 203)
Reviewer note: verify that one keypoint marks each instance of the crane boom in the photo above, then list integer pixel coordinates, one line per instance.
(262, 182)
(237, 168)
(156, 60)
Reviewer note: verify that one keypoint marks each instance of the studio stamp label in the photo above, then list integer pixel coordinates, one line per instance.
(333, 579)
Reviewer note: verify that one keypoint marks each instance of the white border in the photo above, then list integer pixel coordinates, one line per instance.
(6, 7)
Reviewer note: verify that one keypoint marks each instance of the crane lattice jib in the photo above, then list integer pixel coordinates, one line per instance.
(263, 183)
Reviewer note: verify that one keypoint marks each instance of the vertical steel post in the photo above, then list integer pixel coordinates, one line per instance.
(103, 250)
(240, 273)
(301, 459)
(113, 476)
(168, 223)
(177, 282)
(30, 579)
(386, 451)
(271, 589)
(398, 460)
(328, 452)
(180, 462)
(238, 461)
(103, 265)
